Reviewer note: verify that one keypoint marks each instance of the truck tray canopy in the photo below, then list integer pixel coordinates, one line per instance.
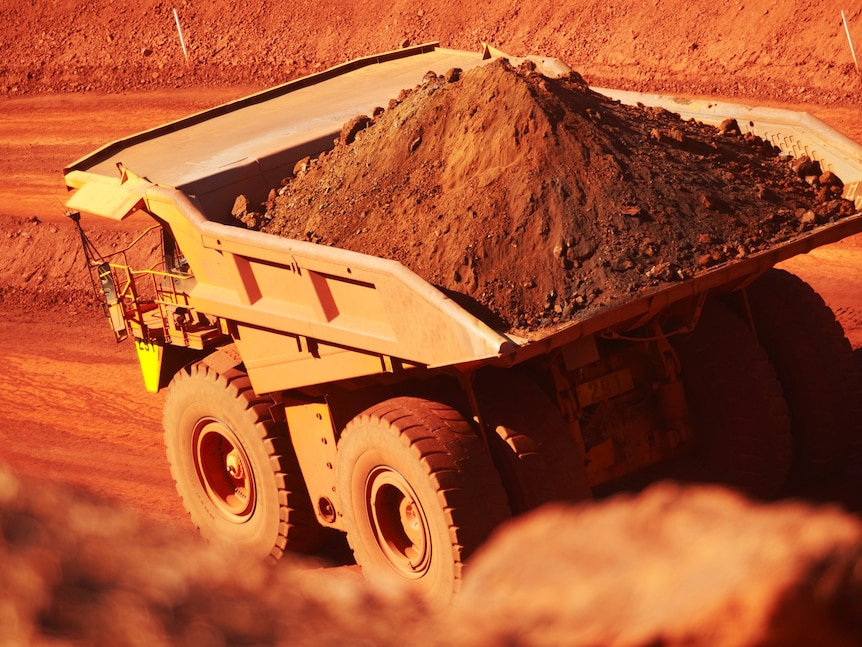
(248, 146)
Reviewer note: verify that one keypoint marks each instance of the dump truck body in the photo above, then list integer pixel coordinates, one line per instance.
(338, 341)
(281, 291)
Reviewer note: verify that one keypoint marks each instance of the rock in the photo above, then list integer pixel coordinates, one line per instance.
(252, 220)
(808, 218)
(806, 167)
(353, 128)
(831, 180)
(729, 127)
(675, 134)
(713, 202)
(240, 206)
(301, 167)
(673, 566)
(705, 260)
(824, 194)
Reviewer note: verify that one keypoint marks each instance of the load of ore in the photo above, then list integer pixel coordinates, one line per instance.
(542, 200)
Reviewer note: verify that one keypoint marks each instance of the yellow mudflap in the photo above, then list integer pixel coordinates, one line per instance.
(150, 357)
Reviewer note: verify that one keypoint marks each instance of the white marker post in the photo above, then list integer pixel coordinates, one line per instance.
(186, 53)
(850, 40)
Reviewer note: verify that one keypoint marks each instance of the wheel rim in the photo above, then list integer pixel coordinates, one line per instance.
(398, 522)
(224, 470)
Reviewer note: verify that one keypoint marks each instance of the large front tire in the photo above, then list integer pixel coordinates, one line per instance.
(234, 466)
(418, 493)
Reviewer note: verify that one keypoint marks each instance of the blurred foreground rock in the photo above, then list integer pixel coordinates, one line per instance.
(78, 571)
(672, 566)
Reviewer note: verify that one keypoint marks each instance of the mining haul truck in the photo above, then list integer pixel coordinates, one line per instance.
(311, 389)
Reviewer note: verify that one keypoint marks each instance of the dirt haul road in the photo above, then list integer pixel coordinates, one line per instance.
(73, 409)
(72, 404)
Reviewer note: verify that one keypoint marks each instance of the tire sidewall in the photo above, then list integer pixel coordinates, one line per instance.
(364, 450)
(207, 400)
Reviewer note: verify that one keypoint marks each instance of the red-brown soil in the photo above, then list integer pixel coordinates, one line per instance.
(76, 75)
(756, 49)
(542, 200)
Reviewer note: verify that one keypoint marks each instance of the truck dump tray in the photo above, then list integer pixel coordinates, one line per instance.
(329, 313)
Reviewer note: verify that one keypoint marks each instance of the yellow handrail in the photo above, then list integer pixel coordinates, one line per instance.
(96, 262)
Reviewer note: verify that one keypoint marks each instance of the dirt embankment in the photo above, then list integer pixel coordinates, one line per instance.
(43, 263)
(542, 200)
(758, 49)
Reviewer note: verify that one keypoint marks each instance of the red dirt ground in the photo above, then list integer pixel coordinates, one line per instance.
(76, 75)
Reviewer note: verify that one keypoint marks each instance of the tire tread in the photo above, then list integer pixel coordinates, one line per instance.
(298, 527)
(454, 459)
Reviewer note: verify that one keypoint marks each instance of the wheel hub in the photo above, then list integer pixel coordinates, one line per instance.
(399, 523)
(223, 471)
(234, 466)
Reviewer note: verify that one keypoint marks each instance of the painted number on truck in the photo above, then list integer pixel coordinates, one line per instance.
(605, 387)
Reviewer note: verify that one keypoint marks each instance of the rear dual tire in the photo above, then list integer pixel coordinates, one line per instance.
(418, 493)
(529, 439)
(740, 418)
(817, 370)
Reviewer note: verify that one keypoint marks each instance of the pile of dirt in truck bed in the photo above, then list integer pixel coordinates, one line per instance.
(542, 200)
